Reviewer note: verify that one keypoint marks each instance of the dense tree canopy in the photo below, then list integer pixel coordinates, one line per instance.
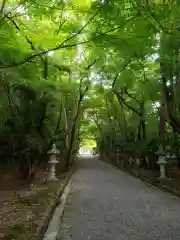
(104, 70)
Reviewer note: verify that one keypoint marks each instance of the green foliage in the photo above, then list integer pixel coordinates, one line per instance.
(77, 70)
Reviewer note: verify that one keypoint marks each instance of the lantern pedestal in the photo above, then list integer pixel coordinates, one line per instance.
(52, 173)
(137, 161)
(162, 163)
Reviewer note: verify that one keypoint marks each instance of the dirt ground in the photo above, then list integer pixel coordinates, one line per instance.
(173, 177)
(22, 208)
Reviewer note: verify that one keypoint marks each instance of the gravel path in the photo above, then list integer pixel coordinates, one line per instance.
(108, 204)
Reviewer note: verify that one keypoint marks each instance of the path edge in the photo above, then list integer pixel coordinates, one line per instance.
(49, 214)
(145, 180)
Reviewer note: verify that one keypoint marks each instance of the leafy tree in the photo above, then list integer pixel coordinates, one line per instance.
(103, 70)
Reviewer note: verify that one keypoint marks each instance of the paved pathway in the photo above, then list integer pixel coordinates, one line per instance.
(108, 204)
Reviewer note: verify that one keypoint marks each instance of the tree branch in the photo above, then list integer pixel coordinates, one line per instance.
(12, 21)
(142, 66)
(63, 68)
(120, 26)
(124, 67)
(121, 100)
(61, 21)
(129, 95)
(82, 93)
(62, 46)
(2, 6)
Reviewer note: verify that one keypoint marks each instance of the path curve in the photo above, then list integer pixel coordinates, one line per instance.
(108, 204)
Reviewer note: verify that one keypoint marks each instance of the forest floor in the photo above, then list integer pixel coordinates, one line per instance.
(171, 184)
(23, 209)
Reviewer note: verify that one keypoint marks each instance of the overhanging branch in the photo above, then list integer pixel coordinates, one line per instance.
(82, 93)
(122, 101)
(123, 68)
(130, 96)
(2, 6)
(63, 46)
(60, 46)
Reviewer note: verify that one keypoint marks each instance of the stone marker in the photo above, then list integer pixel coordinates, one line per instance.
(137, 161)
(162, 162)
(53, 161)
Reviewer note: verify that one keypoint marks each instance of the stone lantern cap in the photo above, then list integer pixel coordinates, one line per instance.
(161, 152)
(53, 153)
(173, 157)
(54, 150)
(168, 156)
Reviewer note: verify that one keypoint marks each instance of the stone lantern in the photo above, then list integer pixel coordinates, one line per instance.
(162, 162)
(137, 161)
(53, 152)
